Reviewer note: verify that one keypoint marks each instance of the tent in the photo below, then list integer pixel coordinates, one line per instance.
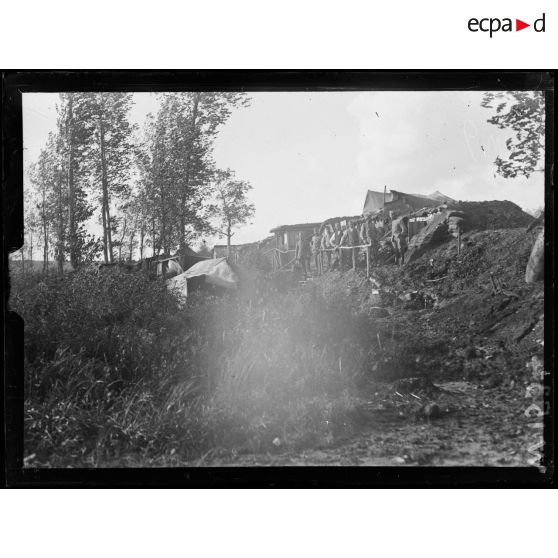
(437, 195)
(219, 272)
(375, 201)
(189, 257)
(172, 266)
(395, 200)
(409, 202)
(179, 285)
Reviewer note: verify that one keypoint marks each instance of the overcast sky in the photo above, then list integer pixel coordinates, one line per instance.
(310, 156)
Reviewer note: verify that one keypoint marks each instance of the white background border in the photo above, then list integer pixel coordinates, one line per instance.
(287, 34)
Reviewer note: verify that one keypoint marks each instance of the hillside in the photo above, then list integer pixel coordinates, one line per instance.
(453, 362)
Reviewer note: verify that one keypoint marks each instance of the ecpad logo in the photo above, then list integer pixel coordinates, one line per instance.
(493, 25)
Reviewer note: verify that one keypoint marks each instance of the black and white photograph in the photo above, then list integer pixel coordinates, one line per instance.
(232, 278)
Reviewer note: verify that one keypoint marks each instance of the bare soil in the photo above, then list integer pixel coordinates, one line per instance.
(476, 426)
(459, 378)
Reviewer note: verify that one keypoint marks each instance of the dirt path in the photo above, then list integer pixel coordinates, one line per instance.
(476, 427)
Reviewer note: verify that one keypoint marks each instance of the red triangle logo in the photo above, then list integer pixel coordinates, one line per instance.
(519, 25)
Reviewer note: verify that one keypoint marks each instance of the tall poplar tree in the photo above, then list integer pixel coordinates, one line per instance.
(109, 154)
(75, 133)
(177, 164)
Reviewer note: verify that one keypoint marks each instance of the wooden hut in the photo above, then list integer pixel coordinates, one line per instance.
(285, 241)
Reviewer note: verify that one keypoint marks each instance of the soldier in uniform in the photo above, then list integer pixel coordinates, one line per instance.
(343, 242)
(302, 253)
(316, 246)
(371, 234)
(354, 240)
(399, 231)
(335, 242)
(325, 245)
(365, 230)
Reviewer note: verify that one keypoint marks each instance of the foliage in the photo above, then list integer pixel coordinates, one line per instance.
(145, 191)
(109, 156)
(231, 206)
(176, 164)
(117, 373)
(74, 137)
(203, 250)
(521, 112)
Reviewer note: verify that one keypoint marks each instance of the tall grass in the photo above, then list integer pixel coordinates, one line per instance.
(116, 373)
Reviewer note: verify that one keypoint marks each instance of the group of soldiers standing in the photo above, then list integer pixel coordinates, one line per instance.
(331, 248)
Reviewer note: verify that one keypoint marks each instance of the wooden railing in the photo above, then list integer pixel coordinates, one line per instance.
(278, 263)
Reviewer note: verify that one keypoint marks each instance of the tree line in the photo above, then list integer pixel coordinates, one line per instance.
(151, 191)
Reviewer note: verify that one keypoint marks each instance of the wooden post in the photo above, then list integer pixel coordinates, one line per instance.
(367, 262)
(354, 258)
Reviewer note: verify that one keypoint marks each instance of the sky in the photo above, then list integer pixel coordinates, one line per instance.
(313, 155)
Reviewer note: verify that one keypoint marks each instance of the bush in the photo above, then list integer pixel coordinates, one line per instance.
(117, 373)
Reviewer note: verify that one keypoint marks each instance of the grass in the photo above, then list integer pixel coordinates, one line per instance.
(116, 373)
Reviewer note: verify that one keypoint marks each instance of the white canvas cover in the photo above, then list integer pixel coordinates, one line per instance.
(174, 266)
(218, 271)
(179, 285)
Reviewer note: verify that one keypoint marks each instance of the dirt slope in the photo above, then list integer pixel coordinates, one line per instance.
(460, 366)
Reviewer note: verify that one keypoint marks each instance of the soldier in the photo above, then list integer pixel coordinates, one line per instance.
(335, 241)
(365, 233)
(354, 236)
(376, 232)
(344, 241)
(354, 240)
(380, 223)
(316, 246)
(302, 253)
(325, 245)
(371, 234)
(365, 230)
(399, 230)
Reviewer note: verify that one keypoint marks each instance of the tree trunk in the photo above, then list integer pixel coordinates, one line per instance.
(109, 258)
(142, 238)
(163, 234)
(60, 255)
(105, 252)
(160, 181)
(71, 187)
(45, 235)
(121, 241)
(229, 239)
(187, 174)
(131, 245)
(153, 235)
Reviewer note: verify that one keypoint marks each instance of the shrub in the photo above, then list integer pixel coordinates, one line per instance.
(116, 372)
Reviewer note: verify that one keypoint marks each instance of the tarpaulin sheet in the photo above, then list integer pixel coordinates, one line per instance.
(221, 272)
(179, 285)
